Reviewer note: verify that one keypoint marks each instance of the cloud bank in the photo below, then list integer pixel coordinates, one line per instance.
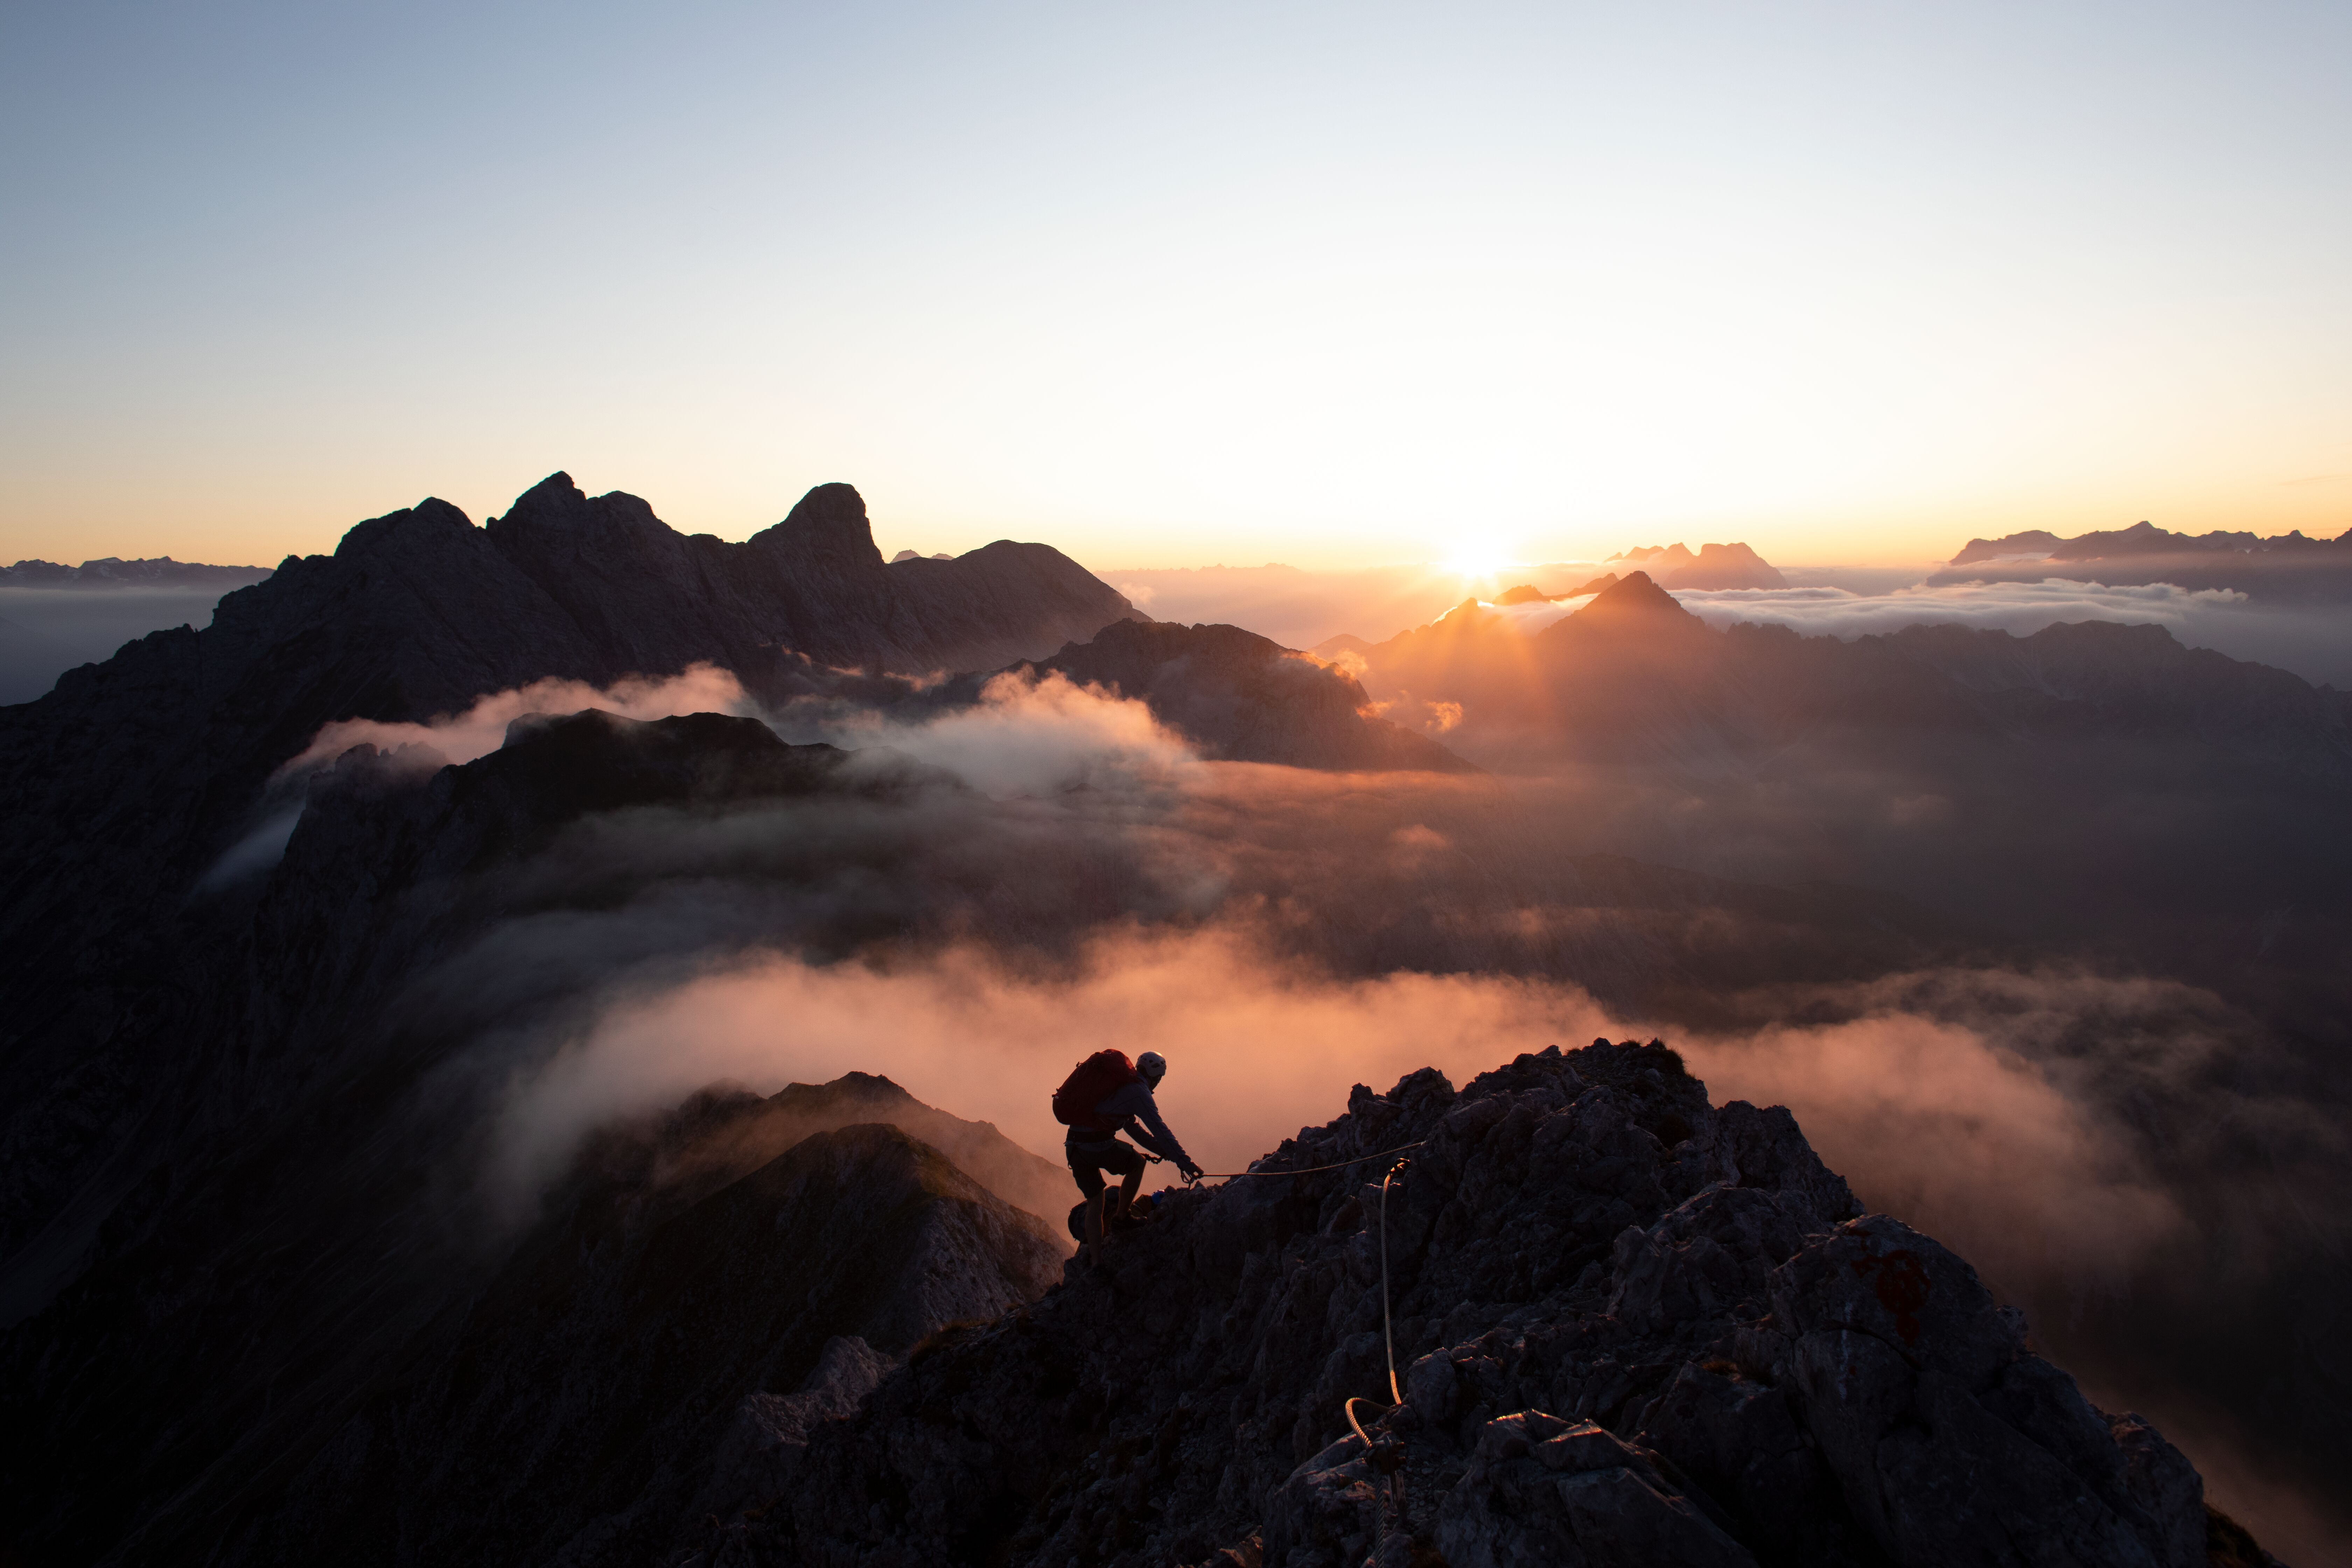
(2316, 644)
(2020, 608)
(1024, 737)
(1944, 1121)
(482, 729)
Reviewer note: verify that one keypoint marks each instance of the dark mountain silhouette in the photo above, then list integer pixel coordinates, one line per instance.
(137, 773)
(111, 572)
(2284, 568)
(1630, 1327)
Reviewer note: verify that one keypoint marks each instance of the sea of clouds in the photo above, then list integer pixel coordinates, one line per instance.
(2314, 643)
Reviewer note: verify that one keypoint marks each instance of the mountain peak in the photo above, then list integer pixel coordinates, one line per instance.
(1632, 597)
(829, 523)
(558, 485)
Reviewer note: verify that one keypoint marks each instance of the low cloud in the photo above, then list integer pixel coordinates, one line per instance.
(416, 750)
(2021, 608)
(2314, 642)
(1949, 1124)
(482, 729)
(1024, 737)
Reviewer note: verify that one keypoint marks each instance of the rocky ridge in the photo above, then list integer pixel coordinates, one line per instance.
(2287, 567)
(1629, 1327)
(111, 572)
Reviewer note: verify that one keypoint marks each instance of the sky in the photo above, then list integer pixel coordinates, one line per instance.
(1333, 285)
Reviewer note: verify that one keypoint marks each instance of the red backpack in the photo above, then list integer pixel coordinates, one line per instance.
(1090, 1083)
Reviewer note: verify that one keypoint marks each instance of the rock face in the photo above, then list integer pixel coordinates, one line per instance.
(1245, 698)
(1629, 1327)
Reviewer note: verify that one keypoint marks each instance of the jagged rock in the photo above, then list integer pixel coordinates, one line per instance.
(1634, 1329)
(754, 1461)
(1540, 1490)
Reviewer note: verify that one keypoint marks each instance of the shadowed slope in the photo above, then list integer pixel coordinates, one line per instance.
(641, 1355)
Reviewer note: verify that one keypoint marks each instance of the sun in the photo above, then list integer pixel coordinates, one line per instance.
(1476, 558)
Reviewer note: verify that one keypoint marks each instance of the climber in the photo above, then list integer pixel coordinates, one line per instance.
(1104, 1096)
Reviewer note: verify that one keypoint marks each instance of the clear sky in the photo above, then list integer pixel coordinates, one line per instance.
(1170, 285)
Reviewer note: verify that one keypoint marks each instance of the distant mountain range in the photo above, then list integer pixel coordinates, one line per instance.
(112, 571)
(1633, 673)
(2287, 567)
(1714, 568)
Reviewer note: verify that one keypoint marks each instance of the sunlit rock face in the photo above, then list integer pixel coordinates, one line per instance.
(1629, 1327)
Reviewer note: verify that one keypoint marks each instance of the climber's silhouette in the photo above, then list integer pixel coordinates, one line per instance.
(1104, 1096)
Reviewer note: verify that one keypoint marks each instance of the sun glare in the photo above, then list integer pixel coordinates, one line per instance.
(1477, 559)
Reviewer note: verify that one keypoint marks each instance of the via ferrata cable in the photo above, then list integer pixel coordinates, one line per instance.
(1309, 1170)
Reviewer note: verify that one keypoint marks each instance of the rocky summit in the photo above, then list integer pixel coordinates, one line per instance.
(1627, 1327)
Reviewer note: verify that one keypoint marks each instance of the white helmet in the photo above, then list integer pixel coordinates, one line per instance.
(1152, 1065)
